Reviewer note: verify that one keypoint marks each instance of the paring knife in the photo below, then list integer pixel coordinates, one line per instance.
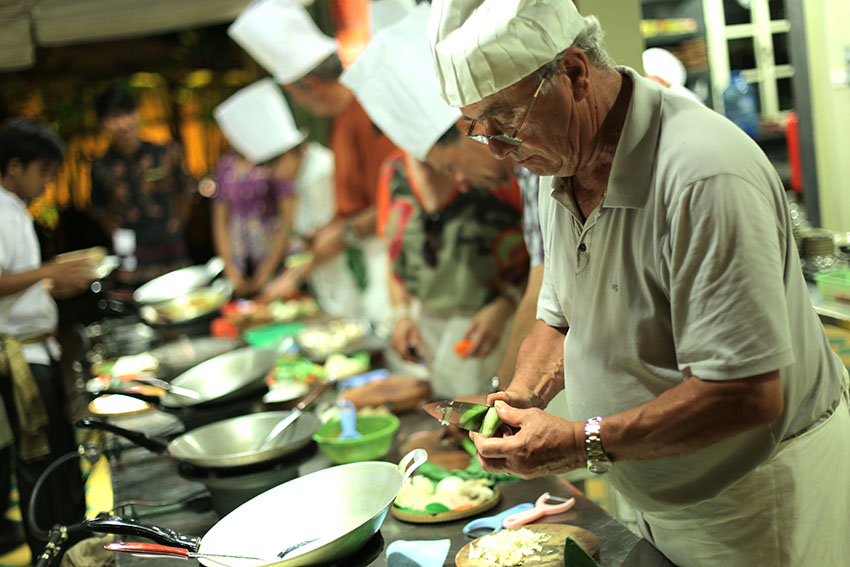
(464, 415)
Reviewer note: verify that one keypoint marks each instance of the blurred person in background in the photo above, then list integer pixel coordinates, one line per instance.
(31, 383)
(140, 188)
(255, 194)
(450, 213)
(281, 36)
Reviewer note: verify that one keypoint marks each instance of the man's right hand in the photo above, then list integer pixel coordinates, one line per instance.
(69, 278)
(514, 397)
(406, 340)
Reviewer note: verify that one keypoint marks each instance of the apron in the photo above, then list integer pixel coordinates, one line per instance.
(337, 291)
(450, 375)
(792, 511)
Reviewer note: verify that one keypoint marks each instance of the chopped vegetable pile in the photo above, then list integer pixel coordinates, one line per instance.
(507, 548)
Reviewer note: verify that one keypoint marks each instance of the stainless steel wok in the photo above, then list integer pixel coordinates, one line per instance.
(228, 443)
(178, 283)
(219, 380)
(180, 355)
(315, 519)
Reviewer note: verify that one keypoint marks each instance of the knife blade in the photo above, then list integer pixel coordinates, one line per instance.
(464, 415)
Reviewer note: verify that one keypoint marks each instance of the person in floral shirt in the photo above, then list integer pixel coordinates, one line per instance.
(140, 186)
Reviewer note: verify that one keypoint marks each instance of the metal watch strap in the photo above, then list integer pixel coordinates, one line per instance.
(598, 462)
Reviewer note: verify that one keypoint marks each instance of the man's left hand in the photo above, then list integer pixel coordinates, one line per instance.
(543, 445)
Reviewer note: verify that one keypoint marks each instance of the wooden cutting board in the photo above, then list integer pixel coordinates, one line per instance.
(552, 554)
(443, 450)
(400, 393)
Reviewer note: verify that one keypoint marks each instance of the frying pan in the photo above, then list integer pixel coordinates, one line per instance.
(182, 354)
(287, 520)
(219, 380)
(224, 444)
(178, 282)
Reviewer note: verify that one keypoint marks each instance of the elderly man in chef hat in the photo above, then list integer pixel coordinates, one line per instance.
(394, 82)
(673, 311)
(281, 36)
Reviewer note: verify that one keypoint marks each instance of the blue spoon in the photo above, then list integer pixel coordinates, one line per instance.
(488, 524)
(348, 420)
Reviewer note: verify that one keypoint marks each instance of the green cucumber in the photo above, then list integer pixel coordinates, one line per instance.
(491, 423)
(470, 418)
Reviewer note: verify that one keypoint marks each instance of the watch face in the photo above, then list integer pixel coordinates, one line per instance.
(599, 467)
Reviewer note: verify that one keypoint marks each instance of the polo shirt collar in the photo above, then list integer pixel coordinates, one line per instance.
(634, 160)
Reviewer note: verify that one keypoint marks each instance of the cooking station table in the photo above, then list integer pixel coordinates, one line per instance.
(140, 475)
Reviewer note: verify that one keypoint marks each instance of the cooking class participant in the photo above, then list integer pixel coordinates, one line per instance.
(672, 304)
(139, 190)
(262, 183)
(455, 241)
(281, 36)
(668, 70)
(31, 383)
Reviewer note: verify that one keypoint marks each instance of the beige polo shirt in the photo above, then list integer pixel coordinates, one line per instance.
(688, 265)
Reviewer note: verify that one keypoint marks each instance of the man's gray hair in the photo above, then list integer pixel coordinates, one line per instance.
(588, 40)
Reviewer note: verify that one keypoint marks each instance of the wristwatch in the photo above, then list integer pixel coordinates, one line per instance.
(598, 462)
(350, 236)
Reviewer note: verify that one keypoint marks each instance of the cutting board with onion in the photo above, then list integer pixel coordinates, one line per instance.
(400, 393)
(552, 552)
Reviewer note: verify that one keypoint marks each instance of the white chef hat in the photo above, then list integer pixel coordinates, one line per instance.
(483, 46)
(393, 79)
(664, 65)
(383, 13)
(257, 122)
(282, 37)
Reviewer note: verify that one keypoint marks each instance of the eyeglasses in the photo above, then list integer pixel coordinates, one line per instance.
(512, 140)
(433, 228)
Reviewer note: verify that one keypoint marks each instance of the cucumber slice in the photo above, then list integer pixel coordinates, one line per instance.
(491, 423)
(472, 417)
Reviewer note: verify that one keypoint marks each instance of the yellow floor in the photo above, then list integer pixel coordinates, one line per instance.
(98, 499)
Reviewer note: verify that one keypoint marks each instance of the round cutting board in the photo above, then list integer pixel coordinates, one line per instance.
(552, 554)
(401, 393)
(449, 516)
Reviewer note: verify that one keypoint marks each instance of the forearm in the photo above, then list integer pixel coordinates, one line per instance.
(399, 297)
(693, 415)
(364, 222)
(11, 284)
(221, 241)
(540, 364)
(523, 322)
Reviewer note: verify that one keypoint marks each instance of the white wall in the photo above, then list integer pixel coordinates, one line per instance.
(827, 36)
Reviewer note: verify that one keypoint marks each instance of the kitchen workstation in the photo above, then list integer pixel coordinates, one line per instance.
(424, 283)
(291, 444)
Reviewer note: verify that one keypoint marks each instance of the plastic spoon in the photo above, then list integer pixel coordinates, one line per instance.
(348, 420)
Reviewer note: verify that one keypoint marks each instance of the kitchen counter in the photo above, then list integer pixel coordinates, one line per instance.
(827, 307)
(139, 475)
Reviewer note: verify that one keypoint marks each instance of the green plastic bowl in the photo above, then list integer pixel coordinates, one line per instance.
(378, 435)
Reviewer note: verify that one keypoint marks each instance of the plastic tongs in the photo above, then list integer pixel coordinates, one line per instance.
(542, 507)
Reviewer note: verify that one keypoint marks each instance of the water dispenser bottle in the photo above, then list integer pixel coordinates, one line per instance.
(739, 102)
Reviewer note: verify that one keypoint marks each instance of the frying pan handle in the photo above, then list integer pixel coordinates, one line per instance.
(140, 439)
(314, 394)
(412, 461)
(147, 549)
(150, 398)
(122, 526)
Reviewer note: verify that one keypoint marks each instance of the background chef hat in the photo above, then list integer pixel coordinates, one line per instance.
(257, 122)
(483, 46)
(282, 37)
(393, 79)
(665, 66)
(383, 13)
